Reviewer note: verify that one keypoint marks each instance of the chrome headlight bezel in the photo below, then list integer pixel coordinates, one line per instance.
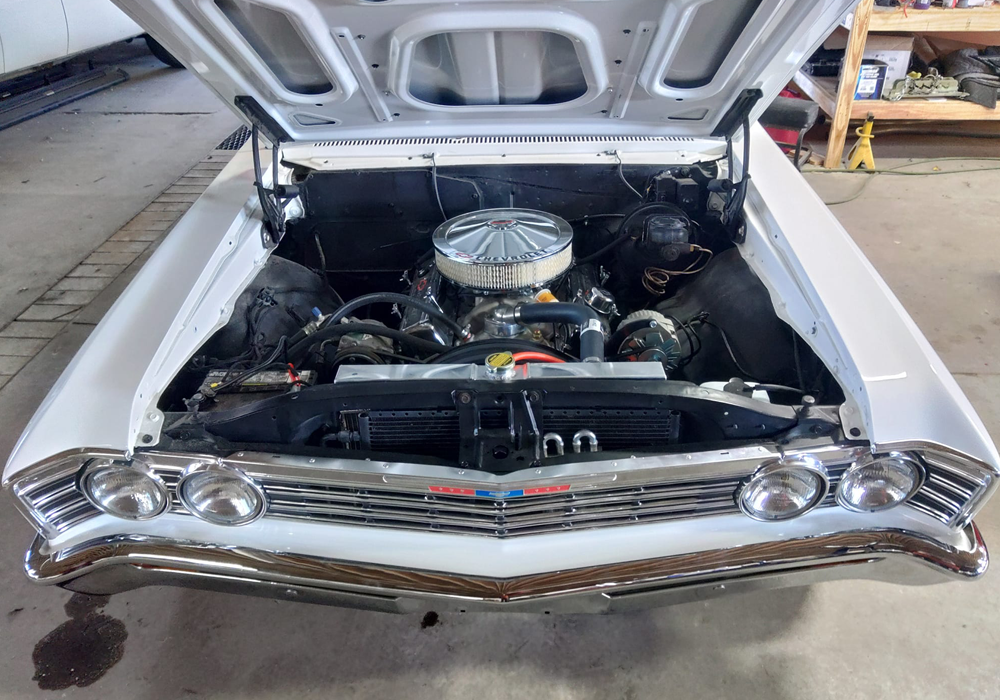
(194, 470)
(872, 459)
(803, 463)
(137, 466)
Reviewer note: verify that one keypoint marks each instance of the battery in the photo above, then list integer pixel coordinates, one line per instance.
(265, 380)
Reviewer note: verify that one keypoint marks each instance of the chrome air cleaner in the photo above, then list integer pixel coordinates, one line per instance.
(501, 250)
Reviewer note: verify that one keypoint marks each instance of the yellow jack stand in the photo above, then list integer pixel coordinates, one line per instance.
(862, 150)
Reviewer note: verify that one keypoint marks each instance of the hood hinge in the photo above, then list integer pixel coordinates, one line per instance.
(272, 199)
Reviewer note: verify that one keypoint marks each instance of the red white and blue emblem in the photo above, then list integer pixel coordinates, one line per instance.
(498, 494)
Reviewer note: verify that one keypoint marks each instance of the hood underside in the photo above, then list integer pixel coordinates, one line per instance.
(322, 70)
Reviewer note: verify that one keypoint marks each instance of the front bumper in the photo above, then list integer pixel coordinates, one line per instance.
(123, 562)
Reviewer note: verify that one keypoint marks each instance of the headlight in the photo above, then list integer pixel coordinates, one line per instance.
(784, 490)
(221, 495)
(125, 490)
(879, 483)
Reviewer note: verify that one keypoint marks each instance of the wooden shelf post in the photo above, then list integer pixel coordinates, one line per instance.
(848, 83)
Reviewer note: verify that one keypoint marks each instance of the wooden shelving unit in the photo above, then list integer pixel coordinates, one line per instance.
(936, 19)
(836, 96)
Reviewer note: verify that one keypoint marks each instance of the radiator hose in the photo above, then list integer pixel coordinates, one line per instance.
(297, 351)
(333, 320)
(591, 329)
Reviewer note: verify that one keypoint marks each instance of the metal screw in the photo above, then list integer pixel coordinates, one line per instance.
(147, 438)
(465, 397)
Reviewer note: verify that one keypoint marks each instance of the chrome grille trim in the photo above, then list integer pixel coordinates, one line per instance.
(499, 518)
(950, 492)
(358, 499)
(56, 503)
(604, 493)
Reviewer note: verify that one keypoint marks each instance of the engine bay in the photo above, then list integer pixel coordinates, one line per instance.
(399, 295)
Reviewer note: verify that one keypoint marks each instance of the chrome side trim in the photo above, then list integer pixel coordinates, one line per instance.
(124, 562)
(948, 467)
(36, 492)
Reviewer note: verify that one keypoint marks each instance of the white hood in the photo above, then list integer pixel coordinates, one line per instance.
(321, 70)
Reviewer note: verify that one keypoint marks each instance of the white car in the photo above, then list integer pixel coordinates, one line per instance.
(585, 362)
(36, 32)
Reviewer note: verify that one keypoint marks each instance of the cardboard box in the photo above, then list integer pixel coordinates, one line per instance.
(893, 50)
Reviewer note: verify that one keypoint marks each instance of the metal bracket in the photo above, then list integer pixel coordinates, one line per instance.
(261, 120)
(515, 443)
(737, 113)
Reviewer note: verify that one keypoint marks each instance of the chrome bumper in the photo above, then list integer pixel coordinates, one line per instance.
(123, 562)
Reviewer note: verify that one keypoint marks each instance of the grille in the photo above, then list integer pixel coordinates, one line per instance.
(525, 515)
(946, 492)
(58, 504)
(235, 140)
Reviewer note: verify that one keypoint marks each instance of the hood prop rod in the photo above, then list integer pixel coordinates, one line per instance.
(737, 117)
(732, 213)
(274, 198)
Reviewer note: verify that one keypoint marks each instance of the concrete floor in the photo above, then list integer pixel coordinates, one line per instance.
(72, 176)
(932, 238)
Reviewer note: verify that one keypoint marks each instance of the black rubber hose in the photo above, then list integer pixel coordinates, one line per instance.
(479, 350)
(341, 329)
(402, 300)
(591, 329)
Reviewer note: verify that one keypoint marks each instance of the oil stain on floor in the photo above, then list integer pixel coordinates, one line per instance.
(82, 649)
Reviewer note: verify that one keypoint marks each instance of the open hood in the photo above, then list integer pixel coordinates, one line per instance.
(320, 70)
